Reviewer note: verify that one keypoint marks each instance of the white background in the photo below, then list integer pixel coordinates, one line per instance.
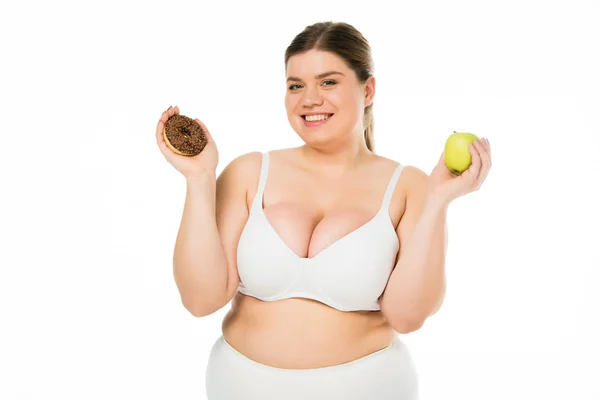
(90, 208)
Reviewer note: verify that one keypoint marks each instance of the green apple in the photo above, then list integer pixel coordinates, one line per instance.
(456, 152)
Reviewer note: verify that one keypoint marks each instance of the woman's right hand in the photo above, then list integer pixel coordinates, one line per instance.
(189, 166)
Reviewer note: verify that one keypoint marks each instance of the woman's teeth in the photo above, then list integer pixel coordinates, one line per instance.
(314, 118)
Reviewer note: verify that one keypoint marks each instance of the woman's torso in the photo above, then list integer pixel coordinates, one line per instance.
(309, 214)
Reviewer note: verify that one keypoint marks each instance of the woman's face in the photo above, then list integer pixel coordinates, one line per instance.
(324, 100)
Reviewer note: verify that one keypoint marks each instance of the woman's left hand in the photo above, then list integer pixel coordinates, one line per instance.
(446, 186)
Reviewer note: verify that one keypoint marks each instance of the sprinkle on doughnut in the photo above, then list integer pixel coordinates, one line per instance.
(184, 135)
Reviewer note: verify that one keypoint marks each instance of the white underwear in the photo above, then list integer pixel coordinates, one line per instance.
(383, 375)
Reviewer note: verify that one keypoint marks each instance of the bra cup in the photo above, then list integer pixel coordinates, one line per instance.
(264, 265)
(356, 272)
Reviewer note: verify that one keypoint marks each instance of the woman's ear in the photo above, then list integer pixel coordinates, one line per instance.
(369, 91)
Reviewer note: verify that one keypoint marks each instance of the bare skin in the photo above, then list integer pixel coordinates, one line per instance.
(310, 210)
(315, 195)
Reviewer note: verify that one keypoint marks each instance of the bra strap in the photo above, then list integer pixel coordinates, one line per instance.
(387, 198)
(264, 171)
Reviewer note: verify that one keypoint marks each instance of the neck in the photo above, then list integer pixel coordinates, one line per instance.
(337, 158)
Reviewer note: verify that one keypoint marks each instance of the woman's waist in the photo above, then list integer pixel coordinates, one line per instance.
(305, 316)
(299, 333)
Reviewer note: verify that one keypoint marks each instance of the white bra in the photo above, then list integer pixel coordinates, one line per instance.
(348, 275)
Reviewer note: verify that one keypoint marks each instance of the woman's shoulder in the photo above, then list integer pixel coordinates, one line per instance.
(257, 155)
(243, 162)
(409, 171)
(411, 178)
(251, 161)
(242, 170)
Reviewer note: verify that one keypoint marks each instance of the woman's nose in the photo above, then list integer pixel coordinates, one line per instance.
(312, 97)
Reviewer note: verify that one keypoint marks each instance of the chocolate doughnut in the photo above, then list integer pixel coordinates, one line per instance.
(184, 136)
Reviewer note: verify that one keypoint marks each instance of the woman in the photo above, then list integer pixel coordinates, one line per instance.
(306, 241)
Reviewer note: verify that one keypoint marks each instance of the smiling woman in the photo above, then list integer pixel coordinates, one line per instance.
(326, 251)
(329, 255)
(330, 64)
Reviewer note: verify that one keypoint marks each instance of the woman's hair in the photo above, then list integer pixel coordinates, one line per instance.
(347, 43)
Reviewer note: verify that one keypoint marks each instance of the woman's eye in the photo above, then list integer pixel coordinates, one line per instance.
(325, 83)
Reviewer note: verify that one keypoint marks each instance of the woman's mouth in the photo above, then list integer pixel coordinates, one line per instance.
(316, 119)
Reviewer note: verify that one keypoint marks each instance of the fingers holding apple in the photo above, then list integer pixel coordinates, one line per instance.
(462, 167)
(469, 178)
(482, 149)
(480, 164)
(487, 156)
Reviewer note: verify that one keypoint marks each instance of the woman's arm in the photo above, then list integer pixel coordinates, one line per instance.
(417, 284)
(204, 259)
